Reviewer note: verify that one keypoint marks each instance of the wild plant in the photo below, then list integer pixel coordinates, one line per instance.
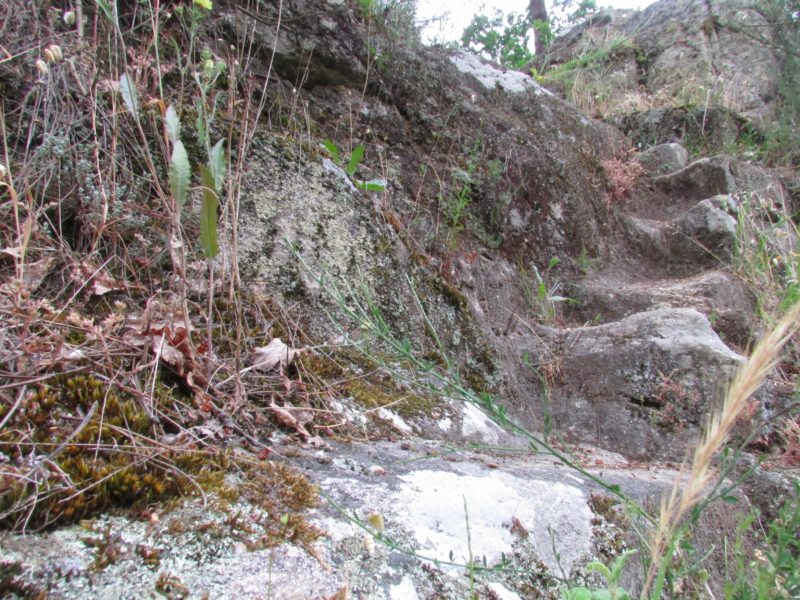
(623, 175)
(374, 185)
(455, 203)
(212, 173)
(541, 292)
(611, 575)
(765, 253)
(774, 571)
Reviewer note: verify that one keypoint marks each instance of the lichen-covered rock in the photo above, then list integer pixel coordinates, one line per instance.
(663, 159)
(401, 521)
(685, 52)
(722, 297)
(642, 385)
(718, 175)
(704, 231)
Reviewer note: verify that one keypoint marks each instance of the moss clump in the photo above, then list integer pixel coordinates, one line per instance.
(79, 448)
(371, 390)
(451, 294)
(604, 506)
(609, 525)
(264, 506)
(282, 493)
(377, 394)
(171, 586)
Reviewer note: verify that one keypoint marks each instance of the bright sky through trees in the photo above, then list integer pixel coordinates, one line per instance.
(448, 18)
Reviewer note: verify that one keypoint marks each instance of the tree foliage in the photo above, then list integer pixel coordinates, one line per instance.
(780, 32)
(506, 38)
(502, 38)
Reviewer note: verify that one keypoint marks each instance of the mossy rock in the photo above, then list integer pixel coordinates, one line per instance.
(79, 447)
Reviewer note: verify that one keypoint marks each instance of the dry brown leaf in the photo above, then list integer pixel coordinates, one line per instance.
(275, 354)
(287, 418)
(37, 272)
(342, 594)
(167, 353)
(172, 344)
(317, 442)
(101, 282)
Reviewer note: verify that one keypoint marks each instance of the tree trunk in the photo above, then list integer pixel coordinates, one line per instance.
(538, 12)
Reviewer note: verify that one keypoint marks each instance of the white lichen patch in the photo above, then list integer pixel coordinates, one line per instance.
(394, 419)
(454, 516)
(502, 592)
(491, 76)
(476, 424)
(404, 590)
(445, 424)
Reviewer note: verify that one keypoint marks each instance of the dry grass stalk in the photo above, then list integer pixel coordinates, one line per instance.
(686, 495)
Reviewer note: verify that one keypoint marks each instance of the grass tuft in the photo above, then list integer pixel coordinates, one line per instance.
(688, 494)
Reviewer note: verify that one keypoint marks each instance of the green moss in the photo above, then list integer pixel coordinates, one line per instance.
(373, 390)
(604, 506)
(451, 294)
(593, 58)
(376, 395)
(100, 458)
(610, 525)
(280, 495)
(89, 433)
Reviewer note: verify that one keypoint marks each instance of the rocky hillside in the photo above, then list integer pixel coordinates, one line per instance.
(294, 307)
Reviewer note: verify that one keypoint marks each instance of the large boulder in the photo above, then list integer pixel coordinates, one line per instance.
(704, 231)
(640, 386)
(663, 159)
(721, 296)
(703, 129)
(718, 175)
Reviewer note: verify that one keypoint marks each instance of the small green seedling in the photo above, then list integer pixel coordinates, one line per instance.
(375, 185)
(612, 576)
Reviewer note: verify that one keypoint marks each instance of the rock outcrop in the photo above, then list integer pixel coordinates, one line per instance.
(516, 268)
(433, 510)
(684, 52)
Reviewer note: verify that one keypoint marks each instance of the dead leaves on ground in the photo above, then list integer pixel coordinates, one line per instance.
(274, 355)
(46, 339)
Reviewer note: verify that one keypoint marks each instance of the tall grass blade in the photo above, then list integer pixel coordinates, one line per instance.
(179, 175)
(688, 494)
(208, 214)
(105, 8)
(129, 95)
(173, 124)
(355, 158)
